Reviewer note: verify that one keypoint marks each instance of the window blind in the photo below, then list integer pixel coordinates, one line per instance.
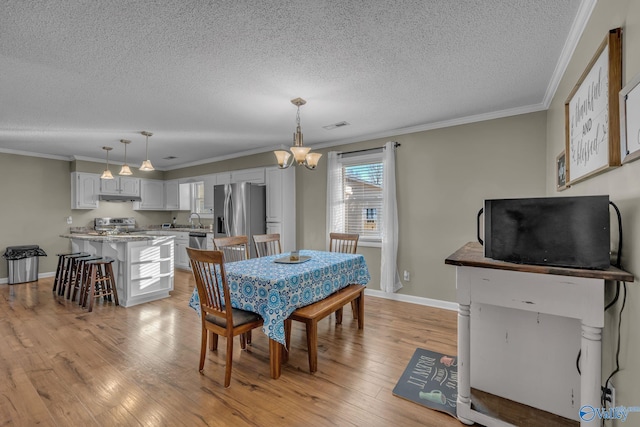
(363, 202)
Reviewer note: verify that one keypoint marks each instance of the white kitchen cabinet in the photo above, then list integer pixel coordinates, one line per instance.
(172, 195)
(182, 258)
(211, 181)
(121, 185)
(181, 243)
(281, 205)
(223, 178)
(255, 176)
(152, 195)
(177, 196)
(85, 188)
(209, 243)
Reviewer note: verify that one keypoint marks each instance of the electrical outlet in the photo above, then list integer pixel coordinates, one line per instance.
(69, 220)
(609, 396)
(407, 276)
(613, 395)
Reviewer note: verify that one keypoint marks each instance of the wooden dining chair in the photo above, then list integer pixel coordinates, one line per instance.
(346, 243)
(208, 270)
(267, 244)
(235, 248)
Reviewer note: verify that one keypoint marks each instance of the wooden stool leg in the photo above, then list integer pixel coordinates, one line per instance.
(84, 286)
(75, 273)
(112, 283)
(93, 274)
(59, 269)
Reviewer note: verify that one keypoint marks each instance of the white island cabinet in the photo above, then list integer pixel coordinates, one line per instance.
(143, 264)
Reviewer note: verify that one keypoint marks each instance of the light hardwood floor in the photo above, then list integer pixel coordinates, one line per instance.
(62, 366)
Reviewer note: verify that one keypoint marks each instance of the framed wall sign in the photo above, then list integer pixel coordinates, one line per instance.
(561, 171)
(630, 121)
(592, 113)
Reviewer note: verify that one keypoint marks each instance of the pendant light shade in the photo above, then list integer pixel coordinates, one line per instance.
(107, 173)
(146, 165)
(301, 154)
(125, 170)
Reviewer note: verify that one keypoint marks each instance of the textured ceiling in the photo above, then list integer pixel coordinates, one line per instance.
(212, 79)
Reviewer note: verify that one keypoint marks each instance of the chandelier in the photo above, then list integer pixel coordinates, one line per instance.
(301, 155)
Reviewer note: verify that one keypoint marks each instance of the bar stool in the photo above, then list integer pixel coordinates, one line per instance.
(61, 268)
(65, 270)
(79, 276)
(100, 282)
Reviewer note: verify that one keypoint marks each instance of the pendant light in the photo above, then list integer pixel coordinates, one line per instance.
(107, 173)
(301, 154)
(146, 165)
(125, 168)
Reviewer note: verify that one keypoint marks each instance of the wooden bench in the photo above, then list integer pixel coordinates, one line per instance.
(317, 311)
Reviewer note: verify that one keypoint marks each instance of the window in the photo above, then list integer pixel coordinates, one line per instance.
(358, 197)
(197, 190)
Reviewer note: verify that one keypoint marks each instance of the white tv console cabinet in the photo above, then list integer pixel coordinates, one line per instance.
(520, 291)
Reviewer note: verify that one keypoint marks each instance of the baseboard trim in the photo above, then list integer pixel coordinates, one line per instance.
(5, 280)
(446, 305)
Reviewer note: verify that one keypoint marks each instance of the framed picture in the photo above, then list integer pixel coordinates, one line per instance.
(592, 113)
(630, 121)
(561, 171)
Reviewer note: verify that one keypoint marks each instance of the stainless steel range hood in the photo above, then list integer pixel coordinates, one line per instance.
(118, 198)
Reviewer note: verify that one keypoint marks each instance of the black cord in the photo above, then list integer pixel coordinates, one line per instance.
(618, 256)
(624, 301)
(624, 298)
(615, 298)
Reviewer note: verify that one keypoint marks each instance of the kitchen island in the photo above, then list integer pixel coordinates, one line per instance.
(143, 263)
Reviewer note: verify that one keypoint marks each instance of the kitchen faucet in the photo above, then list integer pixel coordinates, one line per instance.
(199, 219)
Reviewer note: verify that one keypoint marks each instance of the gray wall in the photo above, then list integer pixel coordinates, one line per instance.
(442, 177)
(622, 185)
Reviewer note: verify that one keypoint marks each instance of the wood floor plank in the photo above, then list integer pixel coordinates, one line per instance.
(138, 366)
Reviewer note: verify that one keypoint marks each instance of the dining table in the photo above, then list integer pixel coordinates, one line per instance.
(275, 286)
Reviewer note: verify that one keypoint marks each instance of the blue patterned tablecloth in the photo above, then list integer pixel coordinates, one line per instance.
(275, 290)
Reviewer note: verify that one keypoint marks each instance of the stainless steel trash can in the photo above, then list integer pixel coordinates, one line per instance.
(23, 263)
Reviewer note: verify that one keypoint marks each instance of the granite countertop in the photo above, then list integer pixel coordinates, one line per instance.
(114, 238)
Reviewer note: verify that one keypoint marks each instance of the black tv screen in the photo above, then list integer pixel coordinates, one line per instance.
(554, 231)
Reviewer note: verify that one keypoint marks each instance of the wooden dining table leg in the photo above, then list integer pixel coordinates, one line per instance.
(275, 358)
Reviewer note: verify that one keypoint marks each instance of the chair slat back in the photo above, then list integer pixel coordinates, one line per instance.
(346, 243)
(267, 244)
(235, 248)
(208, 271)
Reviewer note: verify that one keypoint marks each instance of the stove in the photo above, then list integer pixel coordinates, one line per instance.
(115, 225)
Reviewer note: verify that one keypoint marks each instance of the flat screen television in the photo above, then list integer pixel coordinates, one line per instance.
(555, 231)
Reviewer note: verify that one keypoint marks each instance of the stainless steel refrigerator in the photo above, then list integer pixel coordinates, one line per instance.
(239, 209)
